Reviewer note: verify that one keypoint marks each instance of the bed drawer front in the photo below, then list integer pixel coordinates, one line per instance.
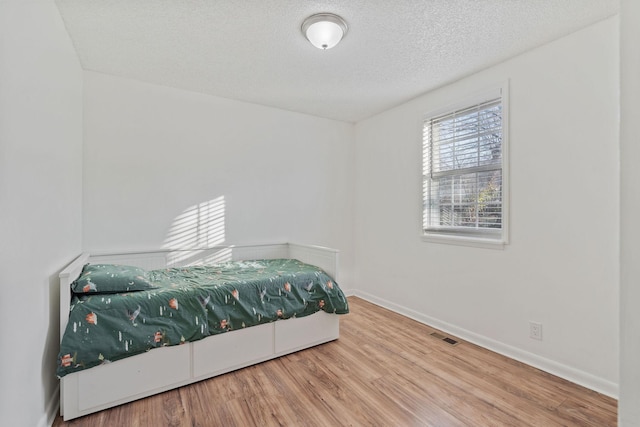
(232, 350)
(128, 377)
(295, 334)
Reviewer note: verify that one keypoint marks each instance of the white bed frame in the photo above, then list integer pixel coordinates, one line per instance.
(165, 368)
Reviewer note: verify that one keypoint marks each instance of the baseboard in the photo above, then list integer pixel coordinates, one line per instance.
(53, 405)
(576, 376)
(349, 292)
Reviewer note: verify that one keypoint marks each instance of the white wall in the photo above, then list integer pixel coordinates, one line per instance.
(152, 153)
(40, 200)
(561, 267)
(629, 407)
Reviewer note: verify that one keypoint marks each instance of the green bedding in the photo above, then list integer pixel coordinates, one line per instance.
(188, 304)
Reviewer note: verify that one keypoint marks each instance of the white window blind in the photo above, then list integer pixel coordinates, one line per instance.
(462, 171)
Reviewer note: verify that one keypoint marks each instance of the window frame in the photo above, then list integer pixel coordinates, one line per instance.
(471, 237)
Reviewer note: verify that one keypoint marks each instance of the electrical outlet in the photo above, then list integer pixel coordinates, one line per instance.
(535, 330)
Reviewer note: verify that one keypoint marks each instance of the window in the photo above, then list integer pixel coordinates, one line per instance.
(464, 174)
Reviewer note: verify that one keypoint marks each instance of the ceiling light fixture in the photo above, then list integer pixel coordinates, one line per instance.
(324, 30)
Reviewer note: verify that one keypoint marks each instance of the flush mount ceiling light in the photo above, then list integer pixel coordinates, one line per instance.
(324, 30)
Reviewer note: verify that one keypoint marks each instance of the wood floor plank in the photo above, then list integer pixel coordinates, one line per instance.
(385, 370)
(231, 413)
(354, 395)
(417, 402)
(580, 412)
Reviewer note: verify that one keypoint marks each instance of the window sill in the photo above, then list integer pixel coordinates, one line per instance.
(477, 242)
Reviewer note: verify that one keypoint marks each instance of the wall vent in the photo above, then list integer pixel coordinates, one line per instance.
(444, 338)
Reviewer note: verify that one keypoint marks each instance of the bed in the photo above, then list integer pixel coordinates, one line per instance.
(232, 346)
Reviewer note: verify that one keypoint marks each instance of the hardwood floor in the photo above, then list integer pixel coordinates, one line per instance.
(385, 370)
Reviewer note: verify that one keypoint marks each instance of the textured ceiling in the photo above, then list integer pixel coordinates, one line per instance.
(253, 50)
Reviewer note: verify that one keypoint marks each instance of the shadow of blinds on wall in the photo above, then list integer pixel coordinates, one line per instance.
(197, 228)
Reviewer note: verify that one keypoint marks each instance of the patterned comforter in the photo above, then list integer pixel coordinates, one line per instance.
(191, 303)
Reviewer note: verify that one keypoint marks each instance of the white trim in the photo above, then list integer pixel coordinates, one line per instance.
(49, 417)
(476, 242)
(506, 176)
(495, 91)
(569, 373)
(349, 292)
